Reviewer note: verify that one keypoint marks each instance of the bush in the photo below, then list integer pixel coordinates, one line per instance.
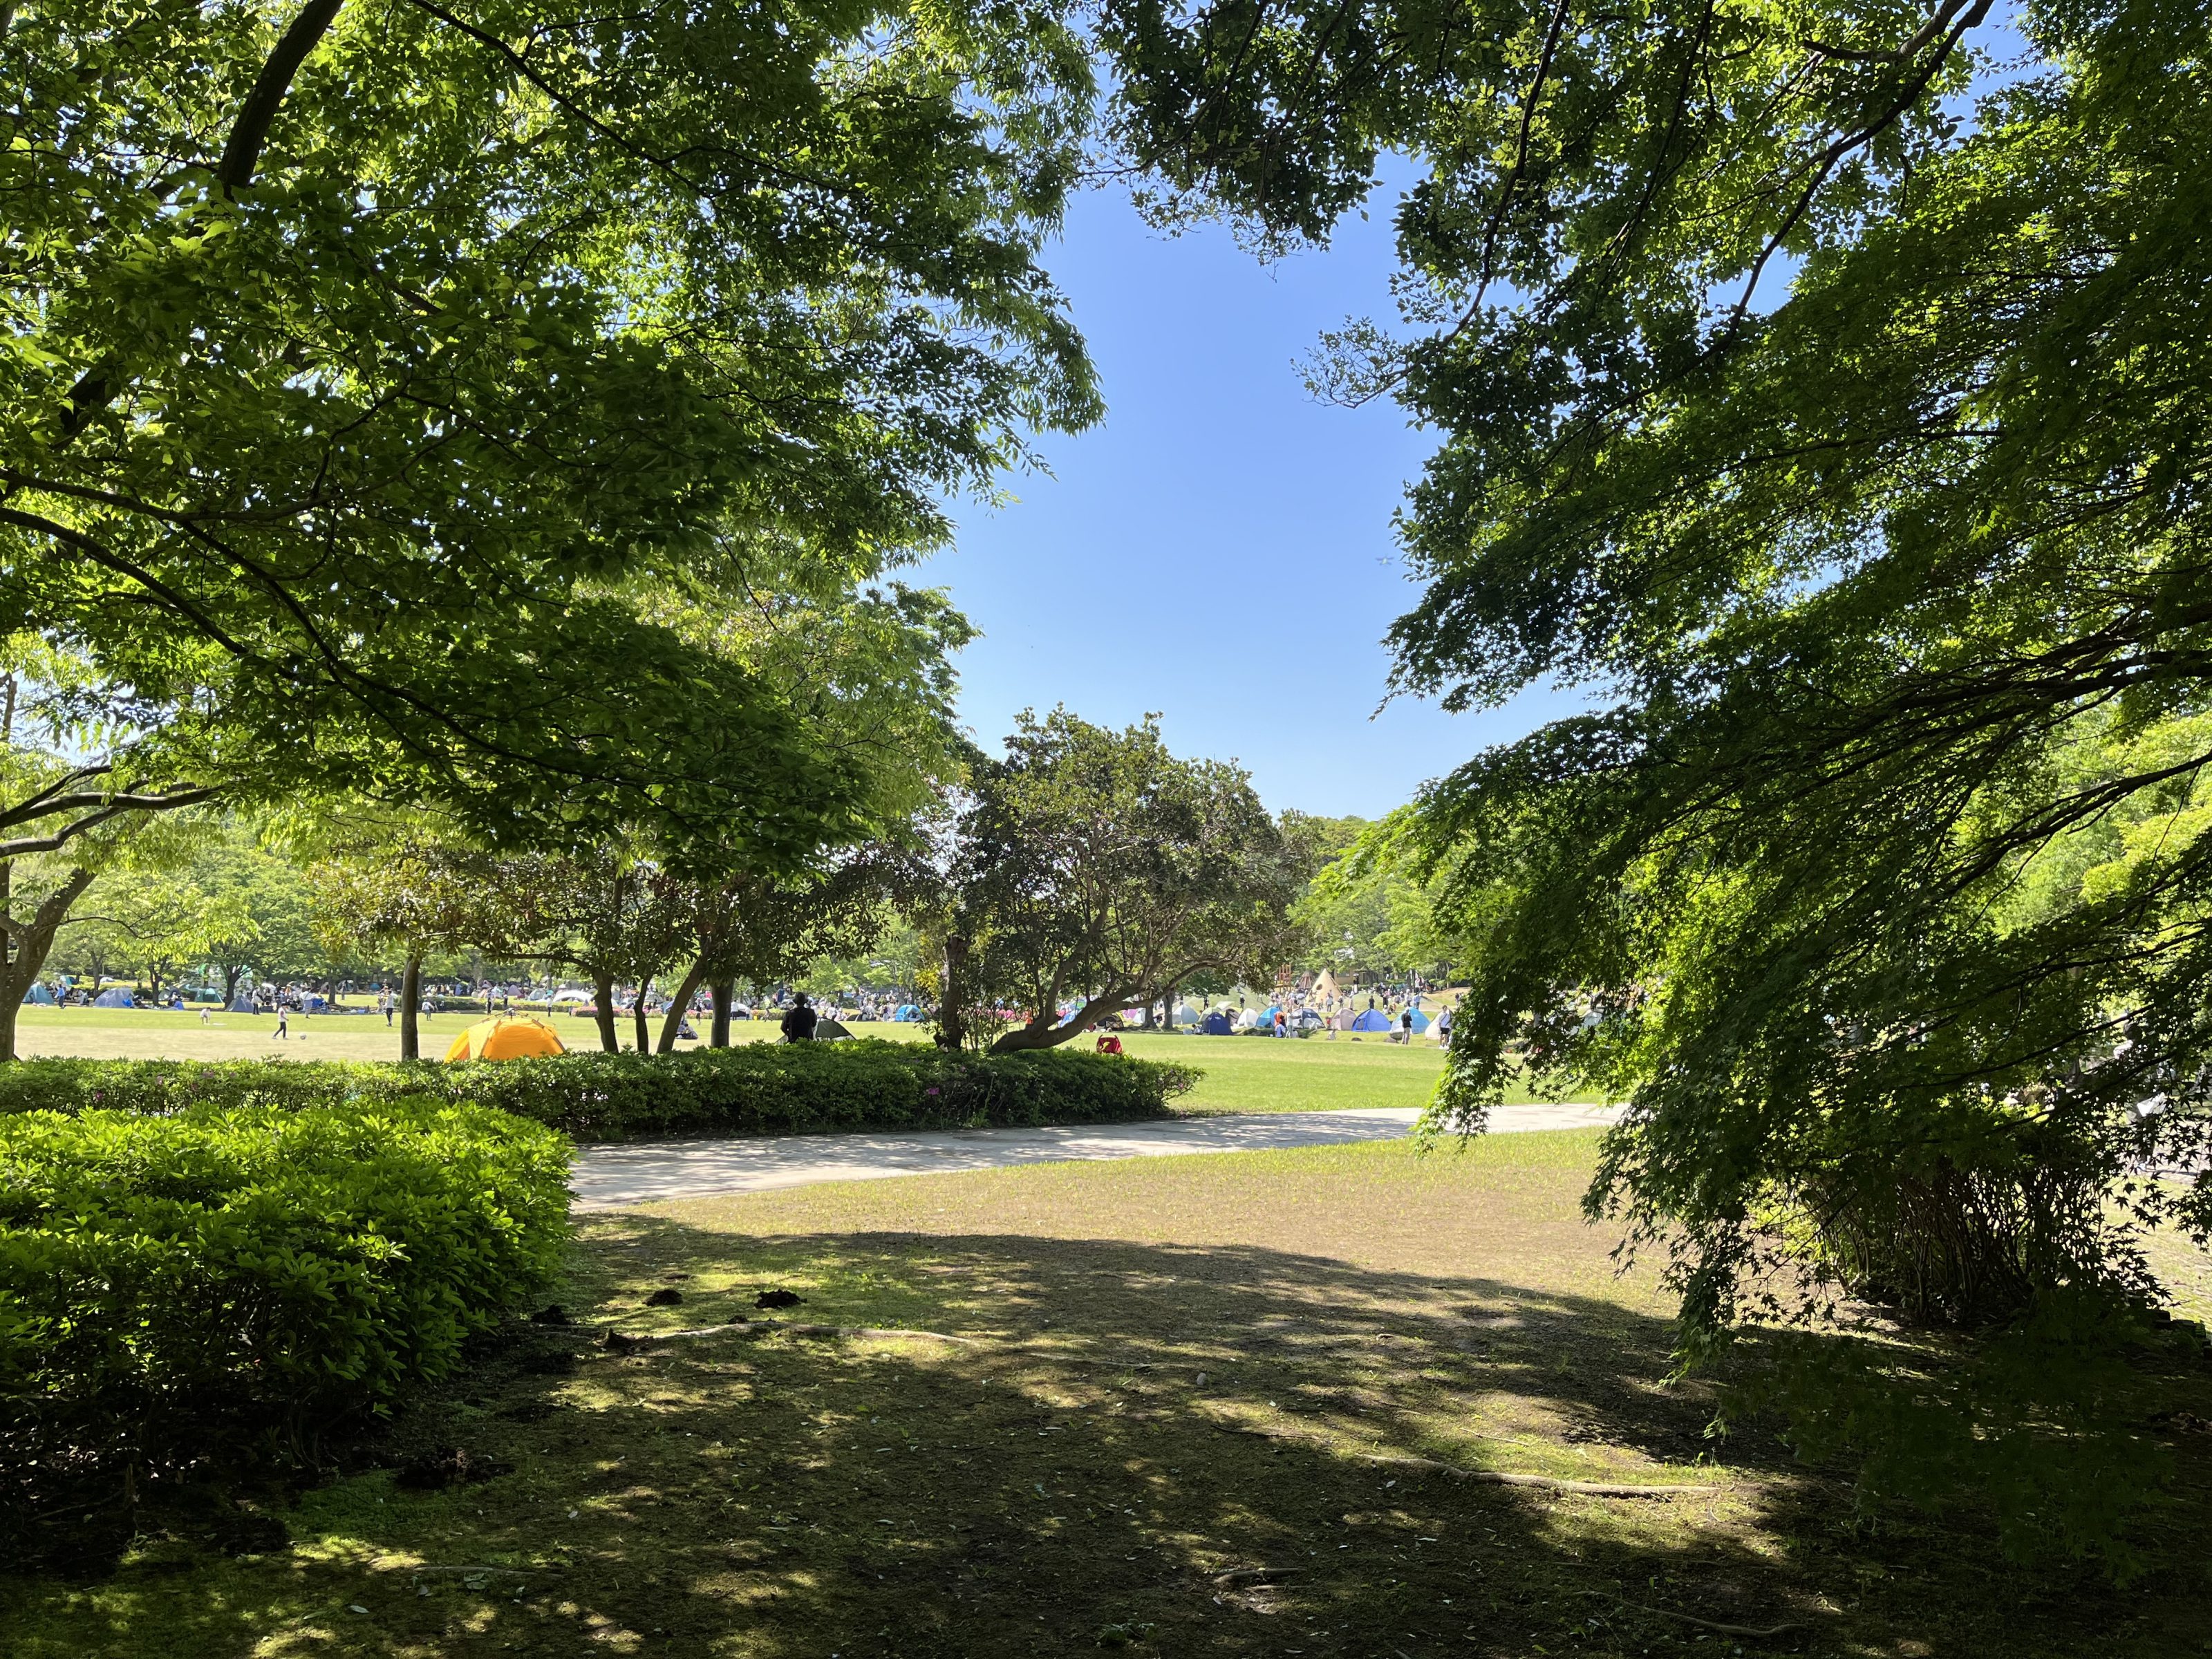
(173, 1288)
(754, 1088)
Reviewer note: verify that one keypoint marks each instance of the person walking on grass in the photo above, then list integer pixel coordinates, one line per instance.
(283, 1022)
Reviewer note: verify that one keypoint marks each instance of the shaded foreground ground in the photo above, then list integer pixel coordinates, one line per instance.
(1172, 1372)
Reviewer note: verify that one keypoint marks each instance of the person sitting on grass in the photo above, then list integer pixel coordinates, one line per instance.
(799, 1022)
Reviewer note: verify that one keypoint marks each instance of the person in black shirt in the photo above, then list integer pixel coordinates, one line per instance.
(799, 1024)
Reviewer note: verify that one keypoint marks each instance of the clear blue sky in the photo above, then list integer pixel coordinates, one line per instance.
(1220, 549)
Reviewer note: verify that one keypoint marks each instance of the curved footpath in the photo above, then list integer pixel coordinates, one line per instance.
(643, 1172)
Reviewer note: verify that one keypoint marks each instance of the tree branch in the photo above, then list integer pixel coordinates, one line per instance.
(243, 153)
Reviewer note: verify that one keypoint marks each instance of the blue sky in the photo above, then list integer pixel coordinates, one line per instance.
(1220, 549)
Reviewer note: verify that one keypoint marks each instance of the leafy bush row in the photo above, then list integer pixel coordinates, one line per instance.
(169, 1285)
(751, 1089)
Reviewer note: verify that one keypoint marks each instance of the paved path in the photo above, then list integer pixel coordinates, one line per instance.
(612, 1177)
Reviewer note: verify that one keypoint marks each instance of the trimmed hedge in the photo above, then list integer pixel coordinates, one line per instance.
(174, 1288)
(754, 1088)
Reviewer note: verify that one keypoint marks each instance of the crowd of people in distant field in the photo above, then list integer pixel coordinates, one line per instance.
(1308, 1005)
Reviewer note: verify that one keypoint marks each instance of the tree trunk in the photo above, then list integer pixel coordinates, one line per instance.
(230, 974)
(603, 1007)
(24, 945)
(1023, 1038)
(680, 1006)
(1168, 1008)
(637, 1018)
(724, 993)
(953, 995)
(410, 1007)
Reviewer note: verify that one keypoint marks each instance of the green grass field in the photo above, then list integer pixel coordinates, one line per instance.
(1242, 1074)
(1175, 1421)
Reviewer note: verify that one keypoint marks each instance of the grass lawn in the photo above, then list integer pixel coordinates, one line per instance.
(1174, 1374)
(1242, 1074)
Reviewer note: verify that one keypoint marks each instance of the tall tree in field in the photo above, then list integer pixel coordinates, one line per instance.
(607, 913)
(411, 889)
(1093, 865)
(266, 920)
(1833, 401)
(762, 929)
(868, 672)
(367, 358)
(74, 795)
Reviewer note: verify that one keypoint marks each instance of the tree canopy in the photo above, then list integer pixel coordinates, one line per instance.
(1094, 866)
(1822, 391)
(363, 359)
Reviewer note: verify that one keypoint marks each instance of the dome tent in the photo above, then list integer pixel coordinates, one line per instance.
(830, 1031)
(114, 997)
(1420, 1021)
(1215, 1023)
(39, 994)
(1373, 1020)
(906, 1013)
(504, 1036)
(242, 1003)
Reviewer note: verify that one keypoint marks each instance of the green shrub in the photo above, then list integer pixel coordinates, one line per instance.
(171, 1285)
(752, 1089)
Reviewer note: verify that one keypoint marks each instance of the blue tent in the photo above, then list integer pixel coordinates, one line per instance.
(1420, 1020)
(113, 997)
(906, 1012)
(1215, 1024)
(242, 1003)
(1373, 1020)
(39, 994)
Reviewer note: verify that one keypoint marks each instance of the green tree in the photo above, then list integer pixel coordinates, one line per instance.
(766, 930)
(1828, 398)
(368, 361)
(1094, 866)
(867, 669)
(404, 886)
(268, 926)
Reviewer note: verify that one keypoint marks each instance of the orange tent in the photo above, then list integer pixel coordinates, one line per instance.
(505, 1038)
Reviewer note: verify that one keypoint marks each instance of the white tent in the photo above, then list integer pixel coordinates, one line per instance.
(114, 997)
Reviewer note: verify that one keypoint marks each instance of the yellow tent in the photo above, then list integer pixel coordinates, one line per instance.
(505, 1038)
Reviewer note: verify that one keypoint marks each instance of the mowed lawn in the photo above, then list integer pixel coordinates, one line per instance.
(1242, 1074)
(1165, 1407)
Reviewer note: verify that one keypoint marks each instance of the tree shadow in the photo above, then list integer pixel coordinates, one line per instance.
(1169, 1450)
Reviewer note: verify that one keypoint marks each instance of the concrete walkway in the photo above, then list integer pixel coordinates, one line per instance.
(642, 1172)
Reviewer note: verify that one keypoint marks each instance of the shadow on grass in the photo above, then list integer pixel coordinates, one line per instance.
(1156, 1449)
